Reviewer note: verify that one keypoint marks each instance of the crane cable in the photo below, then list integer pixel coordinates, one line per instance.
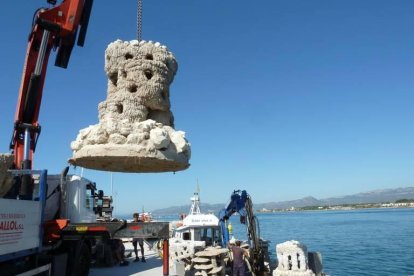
(139, 20)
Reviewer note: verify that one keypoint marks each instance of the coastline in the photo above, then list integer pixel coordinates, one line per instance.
(330, 208)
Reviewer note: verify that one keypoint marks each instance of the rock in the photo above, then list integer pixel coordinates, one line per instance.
(159, 138)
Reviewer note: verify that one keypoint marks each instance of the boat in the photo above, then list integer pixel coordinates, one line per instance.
(197, 227)
(194, 233)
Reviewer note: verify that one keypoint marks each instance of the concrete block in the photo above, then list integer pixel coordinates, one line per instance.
(135, 132)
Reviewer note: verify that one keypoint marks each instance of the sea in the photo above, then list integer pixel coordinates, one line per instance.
(371, 242)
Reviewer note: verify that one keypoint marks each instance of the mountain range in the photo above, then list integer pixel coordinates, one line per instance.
(374, 196)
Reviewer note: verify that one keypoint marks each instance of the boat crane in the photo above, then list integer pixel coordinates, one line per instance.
(241, 202)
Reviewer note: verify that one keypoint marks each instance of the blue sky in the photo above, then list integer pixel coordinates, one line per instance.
(285, 99)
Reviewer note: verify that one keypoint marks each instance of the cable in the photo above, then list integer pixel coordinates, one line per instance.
(139, 20)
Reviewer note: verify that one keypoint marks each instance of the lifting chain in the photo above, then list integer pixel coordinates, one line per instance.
(139, 20)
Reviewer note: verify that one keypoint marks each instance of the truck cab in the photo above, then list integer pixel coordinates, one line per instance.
(75, 198)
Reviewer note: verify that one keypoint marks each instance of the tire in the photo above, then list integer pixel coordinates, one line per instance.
(108, 256)
(79, 259)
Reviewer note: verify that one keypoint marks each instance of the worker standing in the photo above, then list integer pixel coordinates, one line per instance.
(238, 259)
(140, 241)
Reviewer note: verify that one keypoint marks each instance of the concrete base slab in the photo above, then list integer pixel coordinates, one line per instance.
(128, 158)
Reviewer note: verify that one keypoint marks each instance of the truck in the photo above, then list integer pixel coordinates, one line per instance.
(55, 224)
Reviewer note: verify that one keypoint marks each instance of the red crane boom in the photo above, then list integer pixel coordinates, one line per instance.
(54, 28)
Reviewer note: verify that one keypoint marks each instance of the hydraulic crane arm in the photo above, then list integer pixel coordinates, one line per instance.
(54, 28)
(240, 202)
(235, 205)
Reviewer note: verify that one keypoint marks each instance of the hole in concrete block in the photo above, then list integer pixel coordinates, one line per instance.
(123, 74)
(120, 108)
(114, 78)
(133, 88)
(297, 256)
(149, 57)
(148, 74)
(128, 56)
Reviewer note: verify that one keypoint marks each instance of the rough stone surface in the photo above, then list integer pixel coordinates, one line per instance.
(200, 260)
(292, 259)
(215, 263)
(135, 132)
(6, 179)
(211, 252)
(182, 249)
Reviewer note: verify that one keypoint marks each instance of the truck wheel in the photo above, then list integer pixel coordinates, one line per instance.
(79, 259)
(84, 261)
(108, 257)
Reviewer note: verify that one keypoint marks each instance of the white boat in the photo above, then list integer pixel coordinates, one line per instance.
(196, 227)
(194, 233)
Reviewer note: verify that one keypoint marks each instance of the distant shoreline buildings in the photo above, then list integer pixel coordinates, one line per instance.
(402, 203)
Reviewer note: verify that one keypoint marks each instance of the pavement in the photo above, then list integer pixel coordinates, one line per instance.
(152, 266)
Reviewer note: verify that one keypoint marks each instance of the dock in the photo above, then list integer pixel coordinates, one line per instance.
(152, 266)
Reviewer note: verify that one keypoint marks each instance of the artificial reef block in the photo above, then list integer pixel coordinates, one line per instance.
(136, 131)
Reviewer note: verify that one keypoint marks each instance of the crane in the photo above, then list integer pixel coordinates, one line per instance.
(55, 226)
(55, 28)
(241, 202)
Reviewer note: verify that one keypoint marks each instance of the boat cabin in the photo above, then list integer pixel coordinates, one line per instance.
(200, 227)
(197, 226)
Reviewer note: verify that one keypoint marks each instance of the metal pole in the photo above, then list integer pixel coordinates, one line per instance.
(166, 258)
(26, 153)
(26, 185)
(112, 186)
(42, 53)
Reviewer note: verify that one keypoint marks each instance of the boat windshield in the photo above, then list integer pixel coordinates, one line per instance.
(210, 235)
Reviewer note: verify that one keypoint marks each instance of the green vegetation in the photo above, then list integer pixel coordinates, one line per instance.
(404, 200)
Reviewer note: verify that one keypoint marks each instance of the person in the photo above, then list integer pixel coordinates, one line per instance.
(139, 241)
(118, 250)
(238, 259)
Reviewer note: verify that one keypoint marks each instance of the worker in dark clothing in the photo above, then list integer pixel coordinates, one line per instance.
(238, 259)
(139, 241)
(118, 251)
